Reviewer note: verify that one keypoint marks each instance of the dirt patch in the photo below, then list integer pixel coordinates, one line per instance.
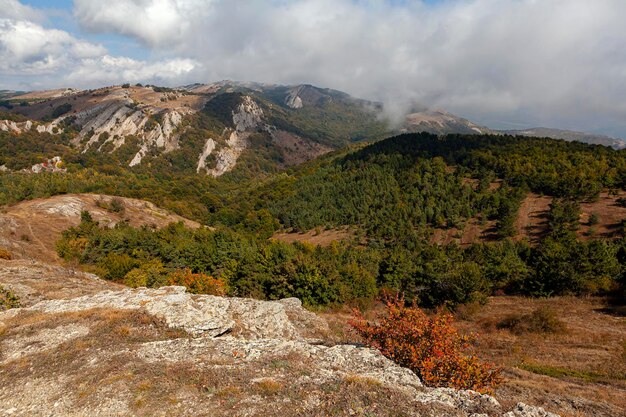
(609, 215)
(532, 218)
(322, 238)
(473, 232)
(31, 229)
(532, 221)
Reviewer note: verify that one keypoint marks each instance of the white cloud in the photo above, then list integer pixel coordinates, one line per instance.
(28, 48)
(154, 22)
(558, 62)
(109, 69)
(13, 9)
(32, 56)
(500, 62)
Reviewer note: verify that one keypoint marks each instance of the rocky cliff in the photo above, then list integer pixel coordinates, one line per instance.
(246, 119)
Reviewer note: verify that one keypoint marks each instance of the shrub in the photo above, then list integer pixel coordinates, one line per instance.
(117, 266)
(541, 320)
(8, 299)
(151, 274)
(61, 110)
(464, 283)
(116, 205)
(5, 254)
(198, 283)
(430, 346)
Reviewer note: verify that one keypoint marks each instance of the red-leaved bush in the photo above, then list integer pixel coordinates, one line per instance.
(430, 346)
(198, 283)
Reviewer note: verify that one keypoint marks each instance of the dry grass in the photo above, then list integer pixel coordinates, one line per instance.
(317, 237)
(541, 320)
(362, 381)
(551, 367)
(268, 387)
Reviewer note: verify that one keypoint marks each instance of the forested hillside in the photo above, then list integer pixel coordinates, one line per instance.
(392, 194)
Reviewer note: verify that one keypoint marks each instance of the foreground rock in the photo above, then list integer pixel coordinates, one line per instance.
(167, 352)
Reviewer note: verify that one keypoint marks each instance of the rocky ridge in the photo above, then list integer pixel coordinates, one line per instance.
(167, 352)
(441, 123)
(107, 117)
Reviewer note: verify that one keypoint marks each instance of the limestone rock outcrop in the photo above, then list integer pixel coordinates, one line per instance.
(167, 352)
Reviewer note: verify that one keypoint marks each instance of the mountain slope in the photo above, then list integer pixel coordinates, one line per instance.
(31, 229)
(212, 125)
(439, 122)
(249, 129)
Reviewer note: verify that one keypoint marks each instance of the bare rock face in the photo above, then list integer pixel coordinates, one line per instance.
(293, 100)
(209, 147)
(203, 314)
(247, 118)
(167, 352)
(106, 117)
(21, 127)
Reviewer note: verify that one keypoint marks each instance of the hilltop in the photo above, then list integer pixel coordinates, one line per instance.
(31, 229)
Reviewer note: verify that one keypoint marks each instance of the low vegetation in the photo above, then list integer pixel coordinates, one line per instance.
(8, 299)
(541, 320)
(428, 345)
(114, 205)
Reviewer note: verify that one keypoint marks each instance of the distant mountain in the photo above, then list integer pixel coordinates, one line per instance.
(570, 136)
(439, 122)
(200, 127)
(215, 128)
(442, 123)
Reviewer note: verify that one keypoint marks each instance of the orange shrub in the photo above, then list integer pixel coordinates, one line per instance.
(5, 254)
(430, 346)
(198, 283)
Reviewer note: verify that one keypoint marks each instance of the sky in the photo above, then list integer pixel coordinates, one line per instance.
(501, 63)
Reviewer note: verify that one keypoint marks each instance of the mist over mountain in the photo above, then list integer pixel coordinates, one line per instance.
(504, 64)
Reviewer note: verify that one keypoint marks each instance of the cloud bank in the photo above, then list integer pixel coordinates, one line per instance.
(504, 63)
(32, 56)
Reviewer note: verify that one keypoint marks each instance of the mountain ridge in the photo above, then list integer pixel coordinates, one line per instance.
(282, 125)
